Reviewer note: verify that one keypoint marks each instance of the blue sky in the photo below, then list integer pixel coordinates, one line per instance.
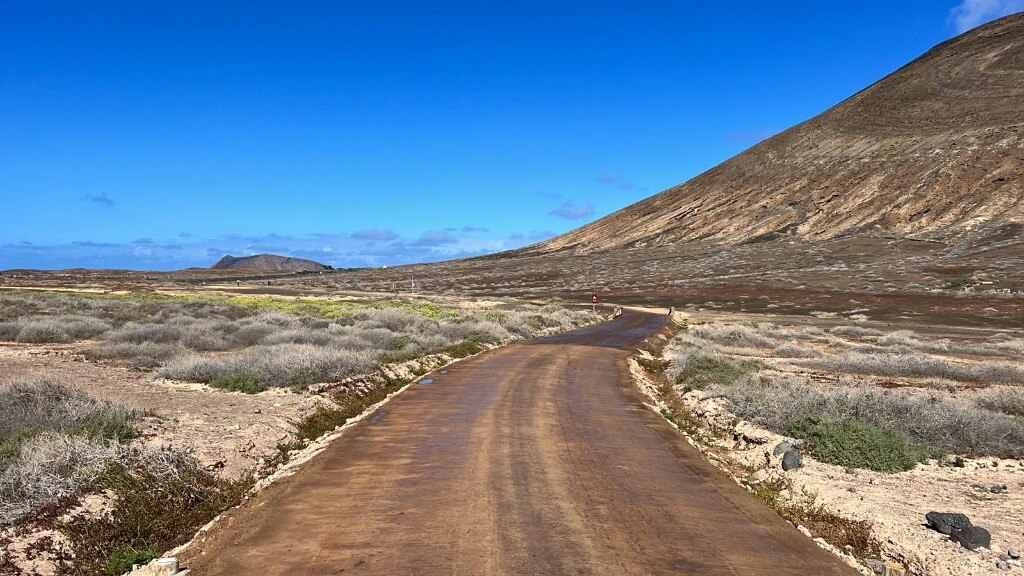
(164, 135)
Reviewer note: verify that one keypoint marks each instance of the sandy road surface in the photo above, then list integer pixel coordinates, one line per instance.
(537, 458)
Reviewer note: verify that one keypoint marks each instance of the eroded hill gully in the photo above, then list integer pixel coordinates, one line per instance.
(537, 458)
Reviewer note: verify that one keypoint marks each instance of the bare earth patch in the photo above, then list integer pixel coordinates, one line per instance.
(229, 431)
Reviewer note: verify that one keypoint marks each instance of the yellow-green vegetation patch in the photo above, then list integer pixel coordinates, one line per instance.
(302, 306)
(426, 309)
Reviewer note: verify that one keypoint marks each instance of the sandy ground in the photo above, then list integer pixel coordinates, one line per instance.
(227, 431)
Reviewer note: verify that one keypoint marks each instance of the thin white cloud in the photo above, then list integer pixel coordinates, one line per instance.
(570, 211)
(972, 13)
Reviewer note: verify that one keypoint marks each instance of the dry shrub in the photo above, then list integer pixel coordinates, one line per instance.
(933, 422)
(44, 404)
(161, 498)
(855, 331)
(736, 335)
(795, 350)
(919, 366)
(49, 468)
(1004, 399)
(280, 365)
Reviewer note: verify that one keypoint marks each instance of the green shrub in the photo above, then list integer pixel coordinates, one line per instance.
(161, 500)
(321, 421)
(857, 444)
(702, 371)
(240, 382)
(462, 349)
(396, 357)
(109, 426)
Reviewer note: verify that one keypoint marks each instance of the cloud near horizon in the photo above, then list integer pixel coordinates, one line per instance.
(364, 248)
(382, 234)
(973, 13)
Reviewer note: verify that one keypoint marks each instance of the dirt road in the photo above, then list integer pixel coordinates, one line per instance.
(537, 458)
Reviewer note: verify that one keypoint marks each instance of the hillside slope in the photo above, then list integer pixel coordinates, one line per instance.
(933, 151)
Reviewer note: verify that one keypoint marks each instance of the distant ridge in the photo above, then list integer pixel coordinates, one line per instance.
(269, 262)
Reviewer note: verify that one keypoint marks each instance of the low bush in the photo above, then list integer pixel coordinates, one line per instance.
(736, 335)
(49, 467)
(920, 366)
(934, 422)
(161, 498)
(322, 420)
(54, 440)
(1004, 399)
(141, 355)
(239, 383)
(794, 350)
(857, 444)
(701, 371)
(855, 331)
(803, 510)
(283, 365)
(44, 404)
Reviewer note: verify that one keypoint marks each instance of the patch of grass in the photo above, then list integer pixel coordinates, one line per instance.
(123, 557)
(702, 371)
(857, 444)
(425, 309)
(240, 382)
(110, 426)
(315, 307)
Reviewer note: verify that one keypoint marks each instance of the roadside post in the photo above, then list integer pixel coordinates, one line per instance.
(593, 302)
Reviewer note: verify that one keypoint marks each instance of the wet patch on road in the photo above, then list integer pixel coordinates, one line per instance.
(427, 381)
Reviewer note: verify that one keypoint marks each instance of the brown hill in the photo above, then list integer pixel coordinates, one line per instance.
(269, 262)
(933, 151)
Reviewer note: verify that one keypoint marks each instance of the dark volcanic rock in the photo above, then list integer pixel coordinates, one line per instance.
(972, 537)
(947, 522)
(792, 459)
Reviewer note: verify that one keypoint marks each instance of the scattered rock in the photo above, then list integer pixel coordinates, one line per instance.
(972, 537)
(876, 566)
(1002, 565)
(997, 489)
(782, 448)
(791, 460)
(947, 522)
(1015, 554)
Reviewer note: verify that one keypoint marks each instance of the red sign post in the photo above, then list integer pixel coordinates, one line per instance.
(593, 301)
